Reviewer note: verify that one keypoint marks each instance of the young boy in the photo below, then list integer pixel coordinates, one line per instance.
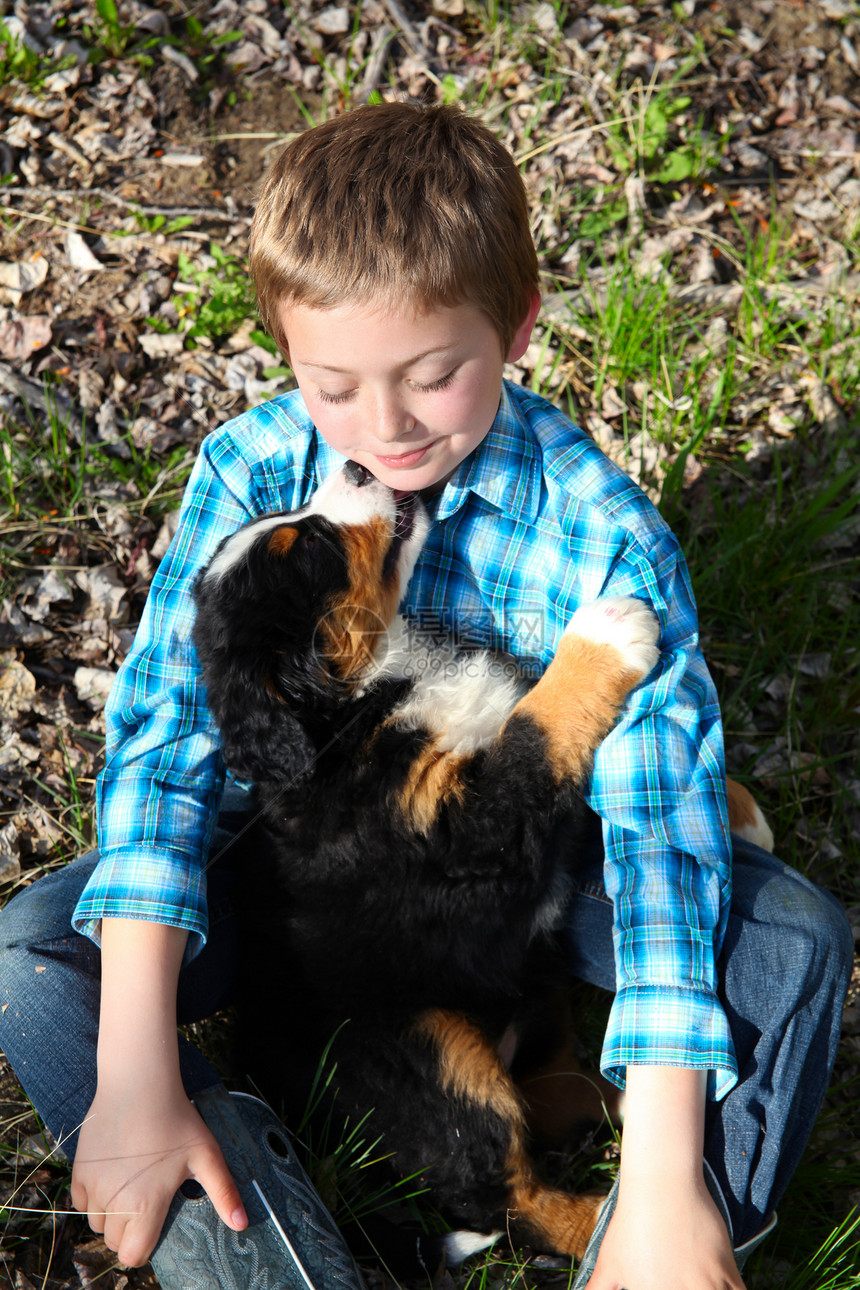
(394, 266)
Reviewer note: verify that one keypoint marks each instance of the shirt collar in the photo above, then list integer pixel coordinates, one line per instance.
(504, 470)
(327, 461)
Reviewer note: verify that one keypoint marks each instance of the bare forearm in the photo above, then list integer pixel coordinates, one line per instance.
(142, 1136)
(666, 1230)
(664, 1121)
(140, 972)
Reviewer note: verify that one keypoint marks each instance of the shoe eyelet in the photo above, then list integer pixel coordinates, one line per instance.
(192, 1190)
(277, 1144)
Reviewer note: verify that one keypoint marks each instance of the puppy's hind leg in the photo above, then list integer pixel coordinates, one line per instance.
(484, 1179)
(562, 1098)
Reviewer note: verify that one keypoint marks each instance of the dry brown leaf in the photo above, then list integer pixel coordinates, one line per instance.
(21, 337)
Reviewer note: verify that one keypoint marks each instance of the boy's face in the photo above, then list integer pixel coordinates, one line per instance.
(406, 394)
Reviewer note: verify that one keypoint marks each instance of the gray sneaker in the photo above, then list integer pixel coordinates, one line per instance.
(291, 1242)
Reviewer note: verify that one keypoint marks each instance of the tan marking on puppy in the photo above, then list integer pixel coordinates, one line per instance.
(354, 623)
(469, 1066)
(432, 782)
(745, 817)
(577, 701)
(282, 540)
(552, 1219)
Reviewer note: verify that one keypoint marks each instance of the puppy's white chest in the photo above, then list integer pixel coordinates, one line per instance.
(463, 698)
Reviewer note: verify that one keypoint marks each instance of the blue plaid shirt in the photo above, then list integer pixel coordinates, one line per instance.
(535, 522)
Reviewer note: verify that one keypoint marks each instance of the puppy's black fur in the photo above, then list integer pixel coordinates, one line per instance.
(400, 892)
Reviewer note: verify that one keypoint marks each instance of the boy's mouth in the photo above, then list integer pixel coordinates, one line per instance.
(405, 460)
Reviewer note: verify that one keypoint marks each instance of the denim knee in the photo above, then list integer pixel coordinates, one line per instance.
(42, 912)
(30, 919)
(19, 930)
(49, 996)
(832, 955)
(790, 914)
(784, 970)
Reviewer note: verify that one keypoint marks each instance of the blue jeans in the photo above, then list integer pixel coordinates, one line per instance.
(784, 971)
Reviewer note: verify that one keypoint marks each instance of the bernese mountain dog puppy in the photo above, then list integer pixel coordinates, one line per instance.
(402, 899)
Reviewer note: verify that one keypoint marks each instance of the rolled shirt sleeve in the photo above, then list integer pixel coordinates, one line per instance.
(658, 784)
(157, 798)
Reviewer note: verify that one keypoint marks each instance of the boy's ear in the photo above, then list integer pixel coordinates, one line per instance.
(523, 334)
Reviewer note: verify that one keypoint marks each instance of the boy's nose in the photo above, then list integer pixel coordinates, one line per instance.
(391, 421)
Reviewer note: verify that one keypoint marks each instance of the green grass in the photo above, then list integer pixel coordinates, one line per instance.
(776, 591)
(22, 66)
(48, 471)
(43, 469)
(213, 296)
(817, 1244)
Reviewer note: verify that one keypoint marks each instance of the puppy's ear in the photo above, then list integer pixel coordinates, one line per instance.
(260, 738)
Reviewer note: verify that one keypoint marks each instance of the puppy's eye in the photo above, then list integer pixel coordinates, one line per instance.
(309, 539)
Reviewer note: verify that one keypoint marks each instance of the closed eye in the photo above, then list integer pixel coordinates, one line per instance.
(441, 384)
(335, 398)
(429, 388)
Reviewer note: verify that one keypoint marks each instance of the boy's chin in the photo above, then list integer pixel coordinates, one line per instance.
(431, 490)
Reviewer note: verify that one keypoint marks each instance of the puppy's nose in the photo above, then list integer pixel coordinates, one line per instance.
(356, 474)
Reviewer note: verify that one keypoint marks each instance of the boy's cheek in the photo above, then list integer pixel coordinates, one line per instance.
(333, 428)
(342, 444)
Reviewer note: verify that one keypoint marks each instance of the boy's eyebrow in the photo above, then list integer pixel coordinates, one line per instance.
(410, 362)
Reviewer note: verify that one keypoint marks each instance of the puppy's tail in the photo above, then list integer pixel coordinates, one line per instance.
(745, 817)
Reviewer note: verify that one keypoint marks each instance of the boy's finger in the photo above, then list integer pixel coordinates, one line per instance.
(96, 1221)
(118, 1236)
(217, 1181)
(133, 1242)
(78, 1194)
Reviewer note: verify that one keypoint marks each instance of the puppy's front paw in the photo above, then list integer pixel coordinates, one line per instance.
(628, 625)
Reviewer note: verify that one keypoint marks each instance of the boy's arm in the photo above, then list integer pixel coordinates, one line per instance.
(666, 1232)
(157, 799)
(146, 900)
(659, 785)
(142, 1137)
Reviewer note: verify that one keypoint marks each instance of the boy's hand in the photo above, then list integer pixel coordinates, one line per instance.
(660, 1241)
(142, 1137)
(666, 1232)
(136, 1148)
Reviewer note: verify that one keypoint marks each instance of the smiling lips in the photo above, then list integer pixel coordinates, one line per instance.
(404, 461)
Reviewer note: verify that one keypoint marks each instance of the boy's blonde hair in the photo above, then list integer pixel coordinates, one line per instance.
(416, 205)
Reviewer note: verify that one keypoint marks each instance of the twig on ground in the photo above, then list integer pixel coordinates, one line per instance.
(79, 194)
(380, 43)
(405, 25)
